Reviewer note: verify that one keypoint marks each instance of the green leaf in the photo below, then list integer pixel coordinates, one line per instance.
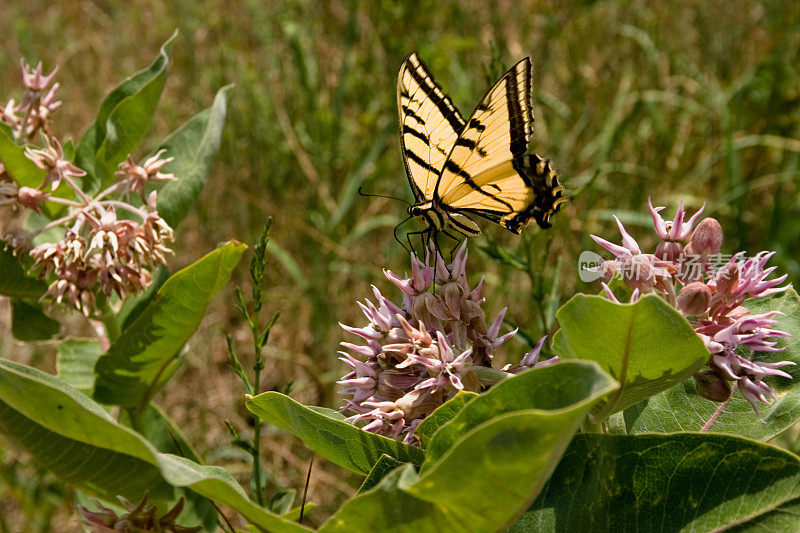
(281, 502)
(549, 388)
(130, 371)
(384, 465)
(683, 482)
(500, 456)
(18, 166)
(14, 281)
(681, 409)
(647, 346)
(442, 415)
(75, 362)
(27, 174)
(160, 430)
(389, 508)
(77, 440)
(29, 323)
(338, 441)
(133, 306)
(194, 147)
(122, 122)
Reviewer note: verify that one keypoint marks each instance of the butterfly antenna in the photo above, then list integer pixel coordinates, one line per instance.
(365, 194)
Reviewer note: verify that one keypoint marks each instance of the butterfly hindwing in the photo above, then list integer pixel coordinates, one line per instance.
(429, 126)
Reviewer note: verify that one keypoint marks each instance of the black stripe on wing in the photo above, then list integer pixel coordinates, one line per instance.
(443, 103)
(539, 174)
(520, 124)
(452, 166)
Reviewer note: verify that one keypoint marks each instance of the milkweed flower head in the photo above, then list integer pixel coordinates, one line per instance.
(107, 243)
(416, 354)
(140, 518)
(33, 113)
(710, 290)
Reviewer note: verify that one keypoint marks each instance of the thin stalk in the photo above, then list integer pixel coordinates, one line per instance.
(108, 191)
(64, 201)
(257, 367)
(305, 491)
(52, 224)
(74, 186)
(122, 205)
(719, 410)
(109, 320)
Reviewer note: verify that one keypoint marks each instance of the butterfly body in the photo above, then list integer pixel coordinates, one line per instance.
(460, 168)
(439, 219)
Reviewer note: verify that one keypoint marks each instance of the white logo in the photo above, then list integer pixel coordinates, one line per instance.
(588, 265)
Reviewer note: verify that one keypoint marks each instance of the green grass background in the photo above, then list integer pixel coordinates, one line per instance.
(698, 101)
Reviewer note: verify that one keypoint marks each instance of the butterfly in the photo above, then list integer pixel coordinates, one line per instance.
(459, 168)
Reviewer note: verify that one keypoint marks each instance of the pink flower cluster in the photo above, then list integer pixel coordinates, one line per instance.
(711, 297)
(33, 112)
(108, 244)
(417, 355)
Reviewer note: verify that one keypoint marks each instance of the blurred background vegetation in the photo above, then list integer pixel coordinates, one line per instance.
(698, 101)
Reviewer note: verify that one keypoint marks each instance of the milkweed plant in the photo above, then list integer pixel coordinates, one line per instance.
(661, 389)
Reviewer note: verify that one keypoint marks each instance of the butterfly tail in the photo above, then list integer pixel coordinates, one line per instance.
(549, 194)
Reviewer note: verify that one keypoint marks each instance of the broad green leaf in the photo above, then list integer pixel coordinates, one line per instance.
(29, 323)
(27, 174)
(69, 434)
(384, 465)
(550, 388)
(18, 166)
(194, 147)
(681, 409)
(130, 372)
(122, 122)
(647, 346)
(159, 429)
(338, 441)
(678, 482)
(281, 502)
(503, 446)
(14, 281)
(443, 414)
(135, 305)
(75, 363)
(389, 508)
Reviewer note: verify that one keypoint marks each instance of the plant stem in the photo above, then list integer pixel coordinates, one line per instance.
(719, 410)
(109, 319)
(257, 367)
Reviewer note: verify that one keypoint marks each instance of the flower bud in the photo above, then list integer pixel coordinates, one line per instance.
(669, 250)
(694, 298)
(31, 198)
(707, 237)
(728, 279)
(427, 307)
(419, 403)
(711, 386)
(606, 270)
(638, 272)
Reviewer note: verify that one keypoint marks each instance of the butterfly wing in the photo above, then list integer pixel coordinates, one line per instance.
(487, 172)
(429, 126)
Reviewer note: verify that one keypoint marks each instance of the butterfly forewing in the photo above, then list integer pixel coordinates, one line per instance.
(497, 132)
(429, 126)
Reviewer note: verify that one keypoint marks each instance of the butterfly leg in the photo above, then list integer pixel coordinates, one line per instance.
(458, 243)
(423, 234)
(398, 239)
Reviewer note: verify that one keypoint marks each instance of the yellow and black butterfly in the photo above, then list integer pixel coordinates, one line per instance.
(459, 168)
